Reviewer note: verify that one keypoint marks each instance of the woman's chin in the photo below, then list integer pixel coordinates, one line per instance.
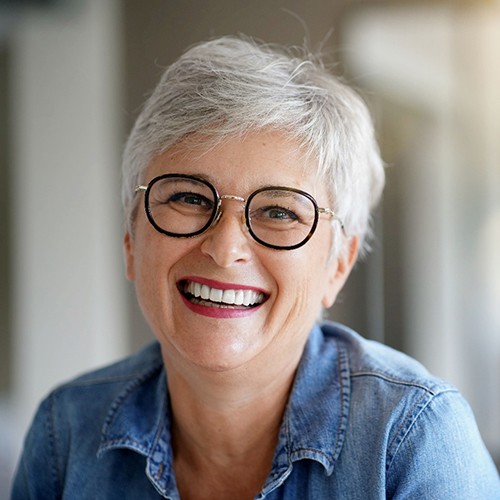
(217, 352)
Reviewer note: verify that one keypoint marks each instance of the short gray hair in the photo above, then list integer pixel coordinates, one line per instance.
(234, 85)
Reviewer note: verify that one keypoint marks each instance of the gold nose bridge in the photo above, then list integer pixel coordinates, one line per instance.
(219, 206)
(232, 197)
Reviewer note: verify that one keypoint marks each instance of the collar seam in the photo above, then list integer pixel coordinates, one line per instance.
(328, 454)
(107, 442)
(344, 382)
(398, 381)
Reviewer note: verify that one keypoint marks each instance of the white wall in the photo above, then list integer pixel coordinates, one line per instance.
(68, 302)
(439, 65)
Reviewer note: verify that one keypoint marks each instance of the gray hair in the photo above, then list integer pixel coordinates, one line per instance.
(234, 85)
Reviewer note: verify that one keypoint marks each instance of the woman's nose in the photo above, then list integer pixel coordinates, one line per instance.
(227, 242)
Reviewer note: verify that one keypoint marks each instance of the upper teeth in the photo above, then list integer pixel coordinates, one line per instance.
(236, 297)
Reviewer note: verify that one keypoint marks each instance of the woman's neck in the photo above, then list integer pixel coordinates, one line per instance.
(225, 426)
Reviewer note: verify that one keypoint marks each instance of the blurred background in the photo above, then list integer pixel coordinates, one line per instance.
(73, 75)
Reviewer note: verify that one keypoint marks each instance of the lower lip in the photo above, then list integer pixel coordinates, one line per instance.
(219, 312)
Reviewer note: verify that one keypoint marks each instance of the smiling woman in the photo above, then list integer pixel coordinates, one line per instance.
(249, 179)
(235, 250)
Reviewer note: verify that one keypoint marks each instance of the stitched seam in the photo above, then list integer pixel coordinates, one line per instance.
(136, 382)
(397, 381)
(300, 453)
(54, 464)
(414, 417)
(113, 378)
(129, 443)
(402, 425)
(342, 419)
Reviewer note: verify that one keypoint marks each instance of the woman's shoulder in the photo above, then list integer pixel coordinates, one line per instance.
(133, 366)
(96, 390)
(407, 426)
(80, 407)
(370, 359)
(70, 423)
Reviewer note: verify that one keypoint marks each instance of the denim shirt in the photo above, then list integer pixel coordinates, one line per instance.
(362, 422)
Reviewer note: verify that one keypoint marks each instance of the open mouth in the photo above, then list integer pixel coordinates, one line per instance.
(204, 295)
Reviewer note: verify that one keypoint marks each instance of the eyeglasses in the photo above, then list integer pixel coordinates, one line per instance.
(183, 206)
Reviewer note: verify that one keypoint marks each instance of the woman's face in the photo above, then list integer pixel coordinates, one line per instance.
(291, 286)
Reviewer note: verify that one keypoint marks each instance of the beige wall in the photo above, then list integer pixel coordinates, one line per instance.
(435, 72)
(67, 300)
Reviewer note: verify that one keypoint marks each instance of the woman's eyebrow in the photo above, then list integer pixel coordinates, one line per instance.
(203, 176)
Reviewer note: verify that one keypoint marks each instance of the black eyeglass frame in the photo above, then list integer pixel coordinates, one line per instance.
(217, 212)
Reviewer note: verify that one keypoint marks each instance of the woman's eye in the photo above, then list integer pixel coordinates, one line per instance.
(278, 214)
(190, 199)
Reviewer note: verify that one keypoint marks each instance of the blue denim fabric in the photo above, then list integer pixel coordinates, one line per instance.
(363, 422)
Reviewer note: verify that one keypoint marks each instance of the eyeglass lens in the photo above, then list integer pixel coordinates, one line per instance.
(184, 206)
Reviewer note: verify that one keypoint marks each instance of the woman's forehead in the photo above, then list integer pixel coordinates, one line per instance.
(261, 157)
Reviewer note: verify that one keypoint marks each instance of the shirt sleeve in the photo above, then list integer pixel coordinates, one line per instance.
(441, 455)
(38, 474)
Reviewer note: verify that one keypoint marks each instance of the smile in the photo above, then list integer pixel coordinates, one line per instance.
(208, 296)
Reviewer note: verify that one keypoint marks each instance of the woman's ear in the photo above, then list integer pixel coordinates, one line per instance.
(339, 270)
(128, 252)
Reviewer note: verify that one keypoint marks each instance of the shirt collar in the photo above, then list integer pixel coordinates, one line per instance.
(315, 419)
(146, 432)
(313, 426)
(127, 424)
(316, 416)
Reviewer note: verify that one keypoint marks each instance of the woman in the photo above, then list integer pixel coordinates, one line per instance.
(249, 179)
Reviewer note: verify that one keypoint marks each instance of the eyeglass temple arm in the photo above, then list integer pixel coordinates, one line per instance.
(330, 212)
(140, 188)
